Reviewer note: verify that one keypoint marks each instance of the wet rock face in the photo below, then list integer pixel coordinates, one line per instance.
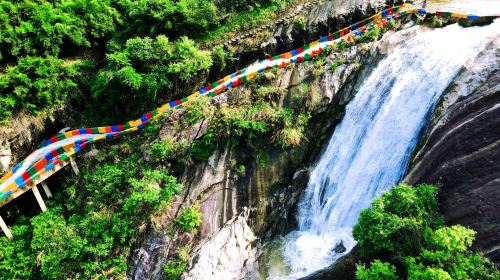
(461, 152)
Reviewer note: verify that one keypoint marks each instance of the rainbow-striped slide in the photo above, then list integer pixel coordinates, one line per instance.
(58, 148)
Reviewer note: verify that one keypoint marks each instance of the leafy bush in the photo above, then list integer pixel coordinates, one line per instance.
(300, 23)
(190, 218)
(438, 21)
(243, 122)
(58, 244)
(175, 18)
(151, 193)
(16, 257)
(244, 4)
(370, 35)
(403, 226)
(287, 137)
(165, 149)
(34, 28)
(35, 84)
(202, 149)
(247, 14)
(99, 18)
(270, 93)
(378, 271)
(292, 132)
(446, 255)
(136, 69)
(395, 223)
(221, 57)
(195, 15)
(174, 268)
(93, 224)
(144, 68)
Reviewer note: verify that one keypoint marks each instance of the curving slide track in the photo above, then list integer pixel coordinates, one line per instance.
(64, 145)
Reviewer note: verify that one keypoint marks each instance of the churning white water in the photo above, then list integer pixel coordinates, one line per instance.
(369, 150)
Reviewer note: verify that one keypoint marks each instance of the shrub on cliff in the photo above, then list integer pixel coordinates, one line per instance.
(190, 218)
(144, 68)
(34, 84)
(404, 228)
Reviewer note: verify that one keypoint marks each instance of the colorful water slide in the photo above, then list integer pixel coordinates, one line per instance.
(64, 145)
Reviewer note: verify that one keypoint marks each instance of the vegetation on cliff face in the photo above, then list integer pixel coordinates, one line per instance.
(91, 226)
(190, 218)
(35, 83)
(98, 50)
(404, 237)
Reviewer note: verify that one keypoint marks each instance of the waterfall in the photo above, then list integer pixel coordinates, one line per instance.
(369, 150)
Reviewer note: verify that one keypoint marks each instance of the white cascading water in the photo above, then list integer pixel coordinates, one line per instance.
(369, 150)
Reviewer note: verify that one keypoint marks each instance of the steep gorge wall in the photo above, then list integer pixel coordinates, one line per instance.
(461, 152)
(265, 189)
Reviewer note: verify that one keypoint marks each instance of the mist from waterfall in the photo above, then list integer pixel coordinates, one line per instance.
(369, 150)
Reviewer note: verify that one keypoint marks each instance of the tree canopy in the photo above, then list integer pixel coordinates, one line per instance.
(404, 236)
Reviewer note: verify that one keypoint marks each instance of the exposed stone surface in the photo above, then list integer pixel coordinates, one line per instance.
(150, 257)
(461, 152)
(227, 254)
(319, 21)
(343, 269)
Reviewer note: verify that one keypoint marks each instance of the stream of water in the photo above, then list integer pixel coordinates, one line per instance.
(369, 150)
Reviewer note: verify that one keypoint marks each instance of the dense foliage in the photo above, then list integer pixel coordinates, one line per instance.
(190, 218)
(93, 223)
(404, 230)
(35, 83)
(144, 68)
(135, 52)
(254, 112)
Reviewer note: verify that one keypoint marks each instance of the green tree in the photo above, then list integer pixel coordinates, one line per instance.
(98, 18)
(397, 221)
(446, 255)
(403, 227)
(33, 28)
(144, 68)
(195, 15)
(173, 18)
(58, 245)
